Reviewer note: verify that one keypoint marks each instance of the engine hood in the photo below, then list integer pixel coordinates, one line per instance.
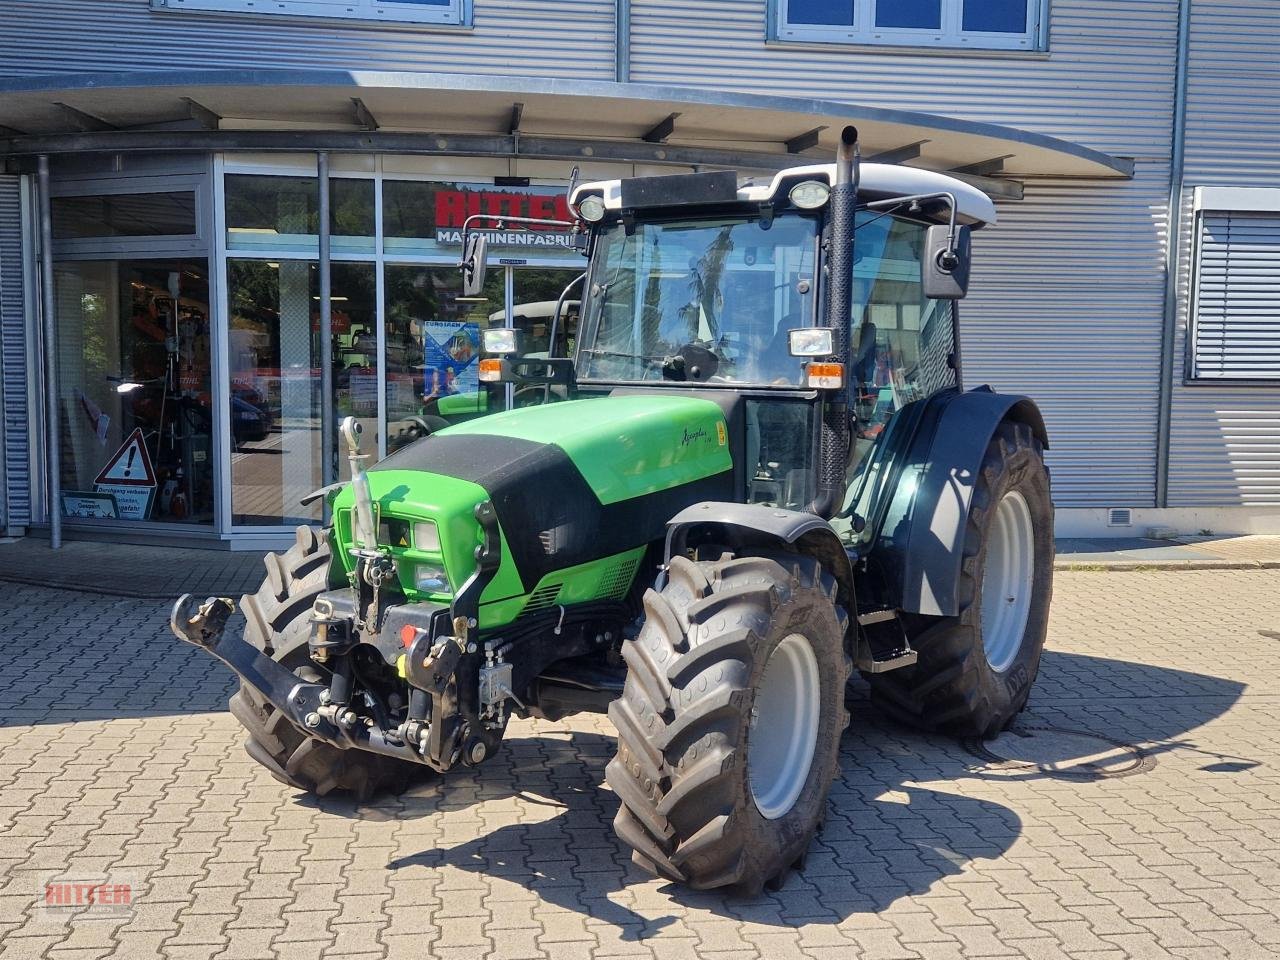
(573, 484)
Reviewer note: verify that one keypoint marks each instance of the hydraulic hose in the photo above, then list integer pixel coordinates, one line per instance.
(833, 449)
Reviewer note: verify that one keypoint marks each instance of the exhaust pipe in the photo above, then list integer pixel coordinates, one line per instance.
(833, 453)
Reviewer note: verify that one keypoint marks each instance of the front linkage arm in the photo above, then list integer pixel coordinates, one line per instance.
(204, 626)
(442, 668)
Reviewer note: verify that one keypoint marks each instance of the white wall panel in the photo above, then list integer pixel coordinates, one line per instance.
(1225, 440)
(555, 38)
(1067, 294)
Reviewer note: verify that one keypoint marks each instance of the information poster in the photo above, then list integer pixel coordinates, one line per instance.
(452, 357)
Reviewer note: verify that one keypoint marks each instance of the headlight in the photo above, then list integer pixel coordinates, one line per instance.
(591, 209)
(426, 536)
(430, 578)
(500, 340)
(810, 194)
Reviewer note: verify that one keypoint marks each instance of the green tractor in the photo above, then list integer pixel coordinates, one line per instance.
(758, 473)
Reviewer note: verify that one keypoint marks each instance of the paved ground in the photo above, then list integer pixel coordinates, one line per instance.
(116, 758)
(129, 570)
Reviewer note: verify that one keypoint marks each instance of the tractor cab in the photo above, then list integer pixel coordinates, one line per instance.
(709, 286)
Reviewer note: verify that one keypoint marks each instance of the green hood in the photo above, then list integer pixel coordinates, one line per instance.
(580, 487)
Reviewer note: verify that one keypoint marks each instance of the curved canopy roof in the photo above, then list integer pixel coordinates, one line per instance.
(539, 117)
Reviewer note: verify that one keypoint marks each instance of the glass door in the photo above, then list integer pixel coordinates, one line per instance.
(433, 348)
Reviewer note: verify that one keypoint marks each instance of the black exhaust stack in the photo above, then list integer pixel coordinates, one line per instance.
(833, 454)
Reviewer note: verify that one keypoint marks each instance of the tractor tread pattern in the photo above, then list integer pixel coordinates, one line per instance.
(680, 768)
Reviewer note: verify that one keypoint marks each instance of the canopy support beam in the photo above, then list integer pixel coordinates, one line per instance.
(85, 122)
(803, 141)
(365, 119)
(660, 132)
(908, 151)
(983, 168)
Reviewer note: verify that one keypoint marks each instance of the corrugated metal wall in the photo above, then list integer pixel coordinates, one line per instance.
(1225, 441)
(1067, 293)
(15, 504)
(556, 38)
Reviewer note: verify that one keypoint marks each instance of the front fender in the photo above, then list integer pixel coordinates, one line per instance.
(756, 526)
(920, 547)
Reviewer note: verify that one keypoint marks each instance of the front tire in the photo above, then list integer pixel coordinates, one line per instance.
(730, 720)
(974, 671)
(278, 623)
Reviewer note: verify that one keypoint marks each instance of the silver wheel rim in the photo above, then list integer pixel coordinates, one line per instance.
(784, 727)
(1007, 581)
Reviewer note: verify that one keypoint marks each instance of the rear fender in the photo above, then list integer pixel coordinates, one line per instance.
(753, 526)
(920, 548)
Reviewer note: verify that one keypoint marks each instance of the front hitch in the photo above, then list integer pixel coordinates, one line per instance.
(305, 704)
(200, 624)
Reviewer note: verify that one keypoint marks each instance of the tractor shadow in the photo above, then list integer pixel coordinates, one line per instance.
(898, 820)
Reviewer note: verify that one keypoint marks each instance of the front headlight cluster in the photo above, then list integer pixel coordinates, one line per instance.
(426, 536)
(430, 578)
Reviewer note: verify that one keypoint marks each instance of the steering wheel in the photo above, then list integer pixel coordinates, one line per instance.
(694, 361)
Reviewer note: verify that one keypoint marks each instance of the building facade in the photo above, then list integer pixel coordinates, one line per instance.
(184, 141)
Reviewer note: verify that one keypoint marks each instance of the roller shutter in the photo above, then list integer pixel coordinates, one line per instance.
(1237, 306)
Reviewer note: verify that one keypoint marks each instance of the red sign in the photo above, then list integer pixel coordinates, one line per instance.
(453, 205)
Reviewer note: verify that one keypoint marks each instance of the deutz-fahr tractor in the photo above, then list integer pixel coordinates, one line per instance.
(758, 473)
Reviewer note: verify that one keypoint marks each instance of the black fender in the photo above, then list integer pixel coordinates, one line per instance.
(754, 525)
(920, 546)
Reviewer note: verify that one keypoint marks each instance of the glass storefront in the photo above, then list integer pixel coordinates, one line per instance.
(189, 370)
(135, 390)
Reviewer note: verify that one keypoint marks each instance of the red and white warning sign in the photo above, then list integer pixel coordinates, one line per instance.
(128, 476)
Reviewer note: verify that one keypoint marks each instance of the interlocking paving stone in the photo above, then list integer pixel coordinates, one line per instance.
(117, 756)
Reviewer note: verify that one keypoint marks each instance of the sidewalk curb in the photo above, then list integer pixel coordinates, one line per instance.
(1129, 566)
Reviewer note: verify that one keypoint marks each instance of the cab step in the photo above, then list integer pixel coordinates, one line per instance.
(882, 643)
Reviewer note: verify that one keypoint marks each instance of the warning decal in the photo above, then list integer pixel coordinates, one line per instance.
(130, 466)
(129, 479)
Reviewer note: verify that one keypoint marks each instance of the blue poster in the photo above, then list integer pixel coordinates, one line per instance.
(451, 361)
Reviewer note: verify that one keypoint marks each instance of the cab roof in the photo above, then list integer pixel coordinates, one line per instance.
(878, 181)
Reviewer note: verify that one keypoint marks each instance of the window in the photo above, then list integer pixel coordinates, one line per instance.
(961, 24)
(1235, 331)
(283, 213)
(135, 414)
(702, 301)
(124, 215)
(443, 12)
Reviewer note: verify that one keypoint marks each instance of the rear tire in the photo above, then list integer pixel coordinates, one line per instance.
(730, 650)
(975, 671)
(278, 623)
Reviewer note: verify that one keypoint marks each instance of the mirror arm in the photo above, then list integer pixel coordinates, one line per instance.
(555, 317)
(498, 221)
(950, 253)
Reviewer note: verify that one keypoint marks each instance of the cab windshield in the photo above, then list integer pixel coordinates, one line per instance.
(701, 301)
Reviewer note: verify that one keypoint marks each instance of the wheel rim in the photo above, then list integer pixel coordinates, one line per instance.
(784, 727)
(1007, 581)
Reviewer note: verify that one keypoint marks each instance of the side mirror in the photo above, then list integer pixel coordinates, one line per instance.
(474, 263)
(944, 272)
